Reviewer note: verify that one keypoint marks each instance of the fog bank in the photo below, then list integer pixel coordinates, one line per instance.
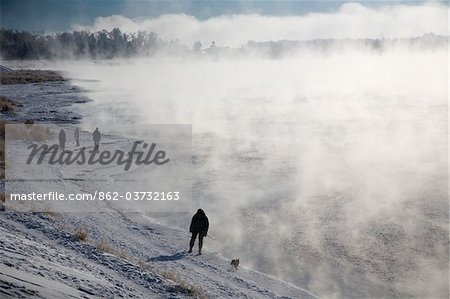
(327, 170)
(351, 20)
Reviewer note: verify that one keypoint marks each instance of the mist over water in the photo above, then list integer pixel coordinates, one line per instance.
(374, 19)
(328, 170)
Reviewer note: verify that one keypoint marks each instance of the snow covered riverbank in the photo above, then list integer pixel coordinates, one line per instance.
(43, 256)
(49, 102)
(108, 253)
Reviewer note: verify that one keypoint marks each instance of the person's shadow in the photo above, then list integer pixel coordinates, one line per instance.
(166, 258)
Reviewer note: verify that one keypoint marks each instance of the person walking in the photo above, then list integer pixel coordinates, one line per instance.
(96, 136)
(77, 136)
(199, 226)
(62, 139)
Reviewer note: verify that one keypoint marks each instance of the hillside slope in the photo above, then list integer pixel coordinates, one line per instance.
(107, 252)
(122, 255)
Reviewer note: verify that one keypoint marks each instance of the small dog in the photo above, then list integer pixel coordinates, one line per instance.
(234, 263)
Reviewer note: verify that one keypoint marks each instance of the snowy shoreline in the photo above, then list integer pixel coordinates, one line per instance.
(48, 102)
(108, 253)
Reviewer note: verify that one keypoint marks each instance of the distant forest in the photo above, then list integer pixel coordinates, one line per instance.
(102, 44)
(111, 44)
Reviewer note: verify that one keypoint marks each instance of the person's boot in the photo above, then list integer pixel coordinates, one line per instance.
(199, 251)
(190, 250)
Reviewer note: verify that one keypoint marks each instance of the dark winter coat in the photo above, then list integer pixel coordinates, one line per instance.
(62, 136)
(199, 223)
(96, 135)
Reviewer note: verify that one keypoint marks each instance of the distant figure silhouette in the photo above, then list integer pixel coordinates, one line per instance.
(199, 226)
(62, 140)
(96, 136)
(77, 136)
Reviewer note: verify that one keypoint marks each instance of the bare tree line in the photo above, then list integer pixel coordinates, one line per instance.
(111, 44)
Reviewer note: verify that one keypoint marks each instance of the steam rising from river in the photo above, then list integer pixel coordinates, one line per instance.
(328, 170)
(351, 20)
